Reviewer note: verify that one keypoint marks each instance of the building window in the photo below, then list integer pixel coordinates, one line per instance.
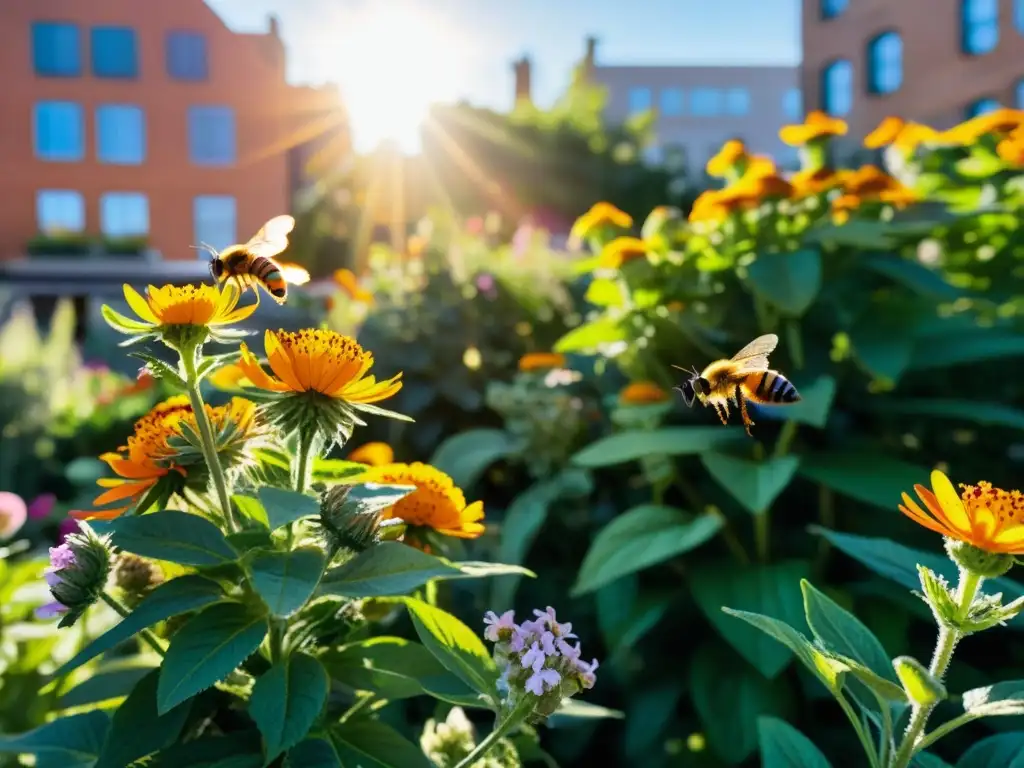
(639, 100)
(56, 49)
(981, 107)
(114, 52)
(885, 63)
(211, 135)
(120, 134)
(980, 20)
(58, 131)
(186, 56)
(60, 211)
(737, 101)
(214, 219)
(705, 102)
(672, 102)
(837, 88)
(1020, 94)
(124, 214)
(832, 8)
(793, 104)
(1018, 15)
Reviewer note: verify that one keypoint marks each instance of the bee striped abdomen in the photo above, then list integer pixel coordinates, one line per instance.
(771, 387)
(267, 271)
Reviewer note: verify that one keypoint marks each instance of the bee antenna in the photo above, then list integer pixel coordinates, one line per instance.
(208, 248)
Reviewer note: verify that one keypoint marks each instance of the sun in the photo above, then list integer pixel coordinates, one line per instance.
(392, 62)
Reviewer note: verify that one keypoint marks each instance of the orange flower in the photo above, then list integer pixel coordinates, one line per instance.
(349, 283)
(988, 518)
(620, 250)
(729, 156)
(815, 182)
(1011, 149)
(870, 184)
(436, 503)
(374, 454)
(999, 122)
(230, 376)
(642, 393)
(600, 215)
(748, 192)
(900, 134)
(541, 361)
(817, 125)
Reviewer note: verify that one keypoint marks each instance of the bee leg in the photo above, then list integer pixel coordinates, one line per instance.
(723, 412)
(747, 421)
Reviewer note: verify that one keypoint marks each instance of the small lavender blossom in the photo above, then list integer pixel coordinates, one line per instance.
(542, 680)
(76, 576)
(495, 624)
(61, 557)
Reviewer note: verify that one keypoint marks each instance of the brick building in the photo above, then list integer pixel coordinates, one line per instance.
(934, 61)
(147, 120)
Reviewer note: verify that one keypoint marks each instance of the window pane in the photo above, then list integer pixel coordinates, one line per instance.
(672, 102)
(837, 88)
(1018, 15)
(58, 131)
(59, 211)
(186, 55)
(980, 20)
(832, 8)
(793, 104)
(1020, 94)
(737, 101)
(56, 49)
(120, 134)
(124, 214)
(705, 102)
(981, 107)
(114, 52)
(639, 100)
(211, 135)
(214, 218)
(885, 63)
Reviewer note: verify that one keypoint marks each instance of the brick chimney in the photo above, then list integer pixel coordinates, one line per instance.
(590, 60)
(521, 68)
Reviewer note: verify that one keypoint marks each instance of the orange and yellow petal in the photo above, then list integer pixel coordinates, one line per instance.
(816, 125)
(254, 372)
(375, 454)
(139, 305)
(642, 393)
(731, 153)
(541, 361)
(622, 250)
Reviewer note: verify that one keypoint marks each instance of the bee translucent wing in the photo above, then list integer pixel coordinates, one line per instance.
(272, 237)
(754, 356)
(293, 273)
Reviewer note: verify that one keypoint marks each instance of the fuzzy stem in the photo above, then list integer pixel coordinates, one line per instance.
(145, 634)
(307, 440)
(501, 728)
(762, 534)
(948, 638)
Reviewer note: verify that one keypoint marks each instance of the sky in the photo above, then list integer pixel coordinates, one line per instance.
(424, 51)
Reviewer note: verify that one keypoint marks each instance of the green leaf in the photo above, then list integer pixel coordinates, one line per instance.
(456, 646)
(966, 347)
(882, 343)
(828, 670)
(283, 507)
(287, 700)
(1000, 699)
(640, 538)
(523, 520)
(1004, 750)
(137, 729)
(729, 697)
(206, 650)
(754, 484)
(650, 709)
(783, 746)
(335, 470)
(240, 749)
(367, 498)
(161, 370)
(773, 590)
(573, 711)
(604, 292)
(110, 680)
(180, 595)
(372, 744)
(872, 478)
(994, 414)
(467, 455)
(395, 668)
(913, 275)
(813, 408)
(591, 337)
(790, 281)
(178, 537)
(76, 740)
(630, 445)
(251, 508)
(317, 752)
(286, 580)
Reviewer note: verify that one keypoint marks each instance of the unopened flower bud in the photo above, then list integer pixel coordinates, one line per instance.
(136, 577)
(449, 742)
(921, 687)
(78, 573)
(346, 525)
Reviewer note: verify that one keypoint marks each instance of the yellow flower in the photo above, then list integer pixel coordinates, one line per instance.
(230, 376)
(436, 503)
(541, 361)
(999, 122)
(817, 125)
(900, 134)
(642, 393)
(758, 184)
(600, 215)
(988, 518)
(1011, 149)
(731, 154)
(815, 182)
(349, 283)
(188, 305)
(164, 444)
(620, 250)
(322, 361)
(374, 454)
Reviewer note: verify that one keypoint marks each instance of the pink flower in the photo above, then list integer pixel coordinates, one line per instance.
(495, 624)
(61, 557)
(485, 282)
(475, 225)
(587, 676)
(41, 506)
(541, 679)
(13, 514)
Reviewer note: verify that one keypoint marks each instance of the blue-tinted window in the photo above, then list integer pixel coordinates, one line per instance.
(737, 101)
(705, 102)
(832, 8)
(215, 219)
(837, 88)
(114, 52)
(59, 211)
(211, 135)
(981, 107)
(885, 63)
(639, 100)
(980, 20)
(58, 131)
(793, 104)
(120, 134)
(1020, 94)
(672, 102)
(124, 214)
(186, 56)
(56, 49)
(1018, 15)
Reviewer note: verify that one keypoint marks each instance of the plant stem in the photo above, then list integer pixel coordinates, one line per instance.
(188, 361)
(948, 638)
(145, 634)
(362, 703)
(786, 435)
(501, 728)
(730, 538)
(865, 741)
(827, 518)
(307, 439)
(762, 534)
(276, 641)
(885, 737)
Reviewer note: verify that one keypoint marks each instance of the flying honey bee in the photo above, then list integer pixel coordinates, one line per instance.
(743, 377)
(252, 265)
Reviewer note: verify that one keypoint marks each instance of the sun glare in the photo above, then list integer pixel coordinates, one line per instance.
(392, 63)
